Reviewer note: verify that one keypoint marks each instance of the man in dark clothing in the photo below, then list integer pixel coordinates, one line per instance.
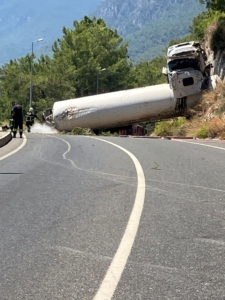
(30, 118)
(17, 115)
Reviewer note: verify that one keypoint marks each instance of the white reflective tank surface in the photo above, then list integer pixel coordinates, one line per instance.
(113, 109)
(116, 109)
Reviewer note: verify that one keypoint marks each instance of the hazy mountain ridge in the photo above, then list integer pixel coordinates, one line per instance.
(22, 22)
(146, 24)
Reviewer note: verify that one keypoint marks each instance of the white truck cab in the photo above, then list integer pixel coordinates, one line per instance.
(187, 69)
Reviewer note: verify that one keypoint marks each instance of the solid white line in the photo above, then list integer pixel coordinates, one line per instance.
(210, 146)
(115, 270)
(16, 150)
(112, 277)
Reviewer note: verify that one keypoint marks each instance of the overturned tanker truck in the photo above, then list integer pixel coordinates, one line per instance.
(188, 75)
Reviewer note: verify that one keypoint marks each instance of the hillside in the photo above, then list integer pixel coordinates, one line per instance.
(207, 118)
(149, 25)
(25, 21)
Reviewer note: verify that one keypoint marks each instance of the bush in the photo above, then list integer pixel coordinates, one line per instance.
(163, 128)
(203, 132)
(178, 122)
(180, 131)
(82, 131)
(78, 131)
(174, 127)
(105, 133)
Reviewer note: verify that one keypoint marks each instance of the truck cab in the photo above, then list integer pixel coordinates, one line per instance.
(187, 69)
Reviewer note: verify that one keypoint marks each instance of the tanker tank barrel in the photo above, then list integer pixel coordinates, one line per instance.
(186, 77)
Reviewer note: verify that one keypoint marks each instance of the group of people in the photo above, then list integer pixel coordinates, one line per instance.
(16, 121)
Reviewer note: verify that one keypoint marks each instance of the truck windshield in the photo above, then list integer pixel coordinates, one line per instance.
(185, 63)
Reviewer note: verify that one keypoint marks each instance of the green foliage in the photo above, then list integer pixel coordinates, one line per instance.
(199, 24)
(149, 127)
(150, 25)
(163, 128)
(203, 132)
(81, 131)
(87, 49)
(214, 4)
(74, 71)
(15, 83)
(78, 62)
(78, 131)
(175, 127)
(179, 121)
(179, 126)
(169, 19)
(105, 133)
(4, 103)
(87, 131)
(149, 73)
(80, 56)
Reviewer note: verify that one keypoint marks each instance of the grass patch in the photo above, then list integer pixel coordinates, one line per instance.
(202, 132)
(87, 131)
(79, 131)
(175, 127)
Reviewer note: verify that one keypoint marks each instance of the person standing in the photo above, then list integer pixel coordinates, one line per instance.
(17, 115)
(30, 118)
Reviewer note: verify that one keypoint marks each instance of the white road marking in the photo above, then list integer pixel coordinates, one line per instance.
(112, 277)
(16, 150)
(211, 241)
(199, 144)
(184, 184)
(115, 270)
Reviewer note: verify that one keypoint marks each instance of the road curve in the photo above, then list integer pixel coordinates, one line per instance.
(66, 202)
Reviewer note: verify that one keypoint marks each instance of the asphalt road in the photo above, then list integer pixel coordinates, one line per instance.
(111, 218)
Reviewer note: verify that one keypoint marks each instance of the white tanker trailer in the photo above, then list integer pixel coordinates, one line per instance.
(119, 109)
(187, 72)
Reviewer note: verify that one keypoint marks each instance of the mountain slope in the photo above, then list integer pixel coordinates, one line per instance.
(24, 21)
(148, 25)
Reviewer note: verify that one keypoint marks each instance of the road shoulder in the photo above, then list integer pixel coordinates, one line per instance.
(14, 145)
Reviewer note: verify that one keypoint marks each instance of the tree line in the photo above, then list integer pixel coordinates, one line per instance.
(90, 58)
(76, 69)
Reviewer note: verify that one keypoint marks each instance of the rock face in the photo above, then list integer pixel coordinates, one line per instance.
(219, 65)
(216, 59)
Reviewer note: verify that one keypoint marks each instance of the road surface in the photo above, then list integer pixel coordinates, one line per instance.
(111, 218)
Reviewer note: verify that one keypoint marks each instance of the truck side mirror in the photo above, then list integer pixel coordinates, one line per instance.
(165, 71)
